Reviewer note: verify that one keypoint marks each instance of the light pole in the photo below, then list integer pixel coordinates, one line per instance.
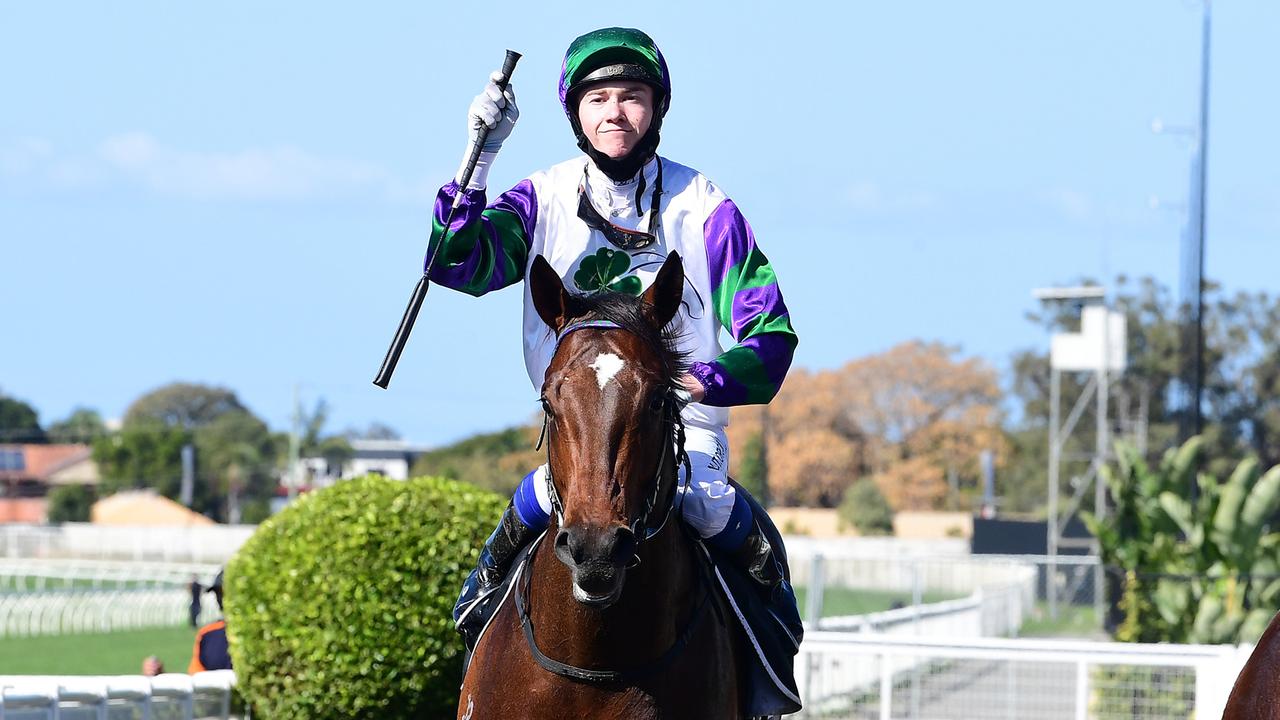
(1193, 247)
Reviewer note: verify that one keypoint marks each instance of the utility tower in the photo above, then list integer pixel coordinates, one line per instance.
(1098, 351)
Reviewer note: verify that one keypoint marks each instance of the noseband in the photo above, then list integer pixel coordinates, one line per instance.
(669, 405)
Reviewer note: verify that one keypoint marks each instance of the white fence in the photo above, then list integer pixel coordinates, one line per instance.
(1001, 593)
(71, 611)
(209, 544)
(59, 597)
(995, 612)
(31, 575)
(164, 697)
(865, 676)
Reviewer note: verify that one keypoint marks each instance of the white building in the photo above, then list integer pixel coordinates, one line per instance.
(392, 458)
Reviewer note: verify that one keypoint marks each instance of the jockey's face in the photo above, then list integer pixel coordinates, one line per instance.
(615, 114)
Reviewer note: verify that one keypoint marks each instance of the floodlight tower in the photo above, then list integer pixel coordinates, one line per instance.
(1099, 349)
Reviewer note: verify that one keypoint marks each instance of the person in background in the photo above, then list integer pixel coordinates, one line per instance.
(196, 591)
(211, 651)
(152, 666)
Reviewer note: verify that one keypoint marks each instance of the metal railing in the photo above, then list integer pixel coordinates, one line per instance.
(851, 675)
(171, 696)
(66, 596)
(207, 544)
(69, 612)
(40, 574)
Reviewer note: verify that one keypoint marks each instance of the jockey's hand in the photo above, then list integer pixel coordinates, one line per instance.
(494, 109)
(690, 389)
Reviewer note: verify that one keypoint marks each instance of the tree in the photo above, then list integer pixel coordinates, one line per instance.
(865, 509)
(82, 426)
(494, 461)
(185, 405)
(145, 454)
(1242, 377)
(375, 431)
(71, 503)
(916, 418)
(236, 455)
(751, 467)
(235, 463)
(19, 422)
(929, 417)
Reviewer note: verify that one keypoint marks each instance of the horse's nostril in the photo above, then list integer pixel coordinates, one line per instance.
(624, 544)
(569, 546)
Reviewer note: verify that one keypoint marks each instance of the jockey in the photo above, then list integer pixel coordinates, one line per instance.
(606, 221)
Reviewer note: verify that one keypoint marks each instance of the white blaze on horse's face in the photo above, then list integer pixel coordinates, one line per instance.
(606, 366)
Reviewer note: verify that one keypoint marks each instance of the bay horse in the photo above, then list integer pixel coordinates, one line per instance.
(614, 615)
(1256, 695)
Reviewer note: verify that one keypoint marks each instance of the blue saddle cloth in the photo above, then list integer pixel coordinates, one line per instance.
(770, 624)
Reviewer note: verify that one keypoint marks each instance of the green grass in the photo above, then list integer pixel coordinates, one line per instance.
(115, 653)
(849, 601)
(1075, 621)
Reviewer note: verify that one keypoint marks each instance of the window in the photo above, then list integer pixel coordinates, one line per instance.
(12, 460)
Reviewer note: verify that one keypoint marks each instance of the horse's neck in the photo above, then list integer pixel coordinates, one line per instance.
(656, 602)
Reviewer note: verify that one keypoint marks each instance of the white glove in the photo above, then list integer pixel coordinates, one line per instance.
(495, 109)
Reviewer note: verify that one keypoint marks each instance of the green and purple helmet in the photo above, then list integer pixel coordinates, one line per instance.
(614, 54)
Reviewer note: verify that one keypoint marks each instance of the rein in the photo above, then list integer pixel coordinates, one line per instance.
(641, 531)
(607, 677)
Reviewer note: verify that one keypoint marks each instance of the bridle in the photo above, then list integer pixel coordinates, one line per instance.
(669, 405)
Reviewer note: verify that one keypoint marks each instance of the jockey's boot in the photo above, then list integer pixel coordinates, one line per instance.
(755, 555)
(475, 602)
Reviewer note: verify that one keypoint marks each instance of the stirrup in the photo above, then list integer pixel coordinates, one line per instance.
(474, 604)
(756, 557)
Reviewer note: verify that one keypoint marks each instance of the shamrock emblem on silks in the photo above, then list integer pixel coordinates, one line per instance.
(605, 270)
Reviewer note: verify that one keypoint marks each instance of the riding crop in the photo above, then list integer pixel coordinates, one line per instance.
(420, 291)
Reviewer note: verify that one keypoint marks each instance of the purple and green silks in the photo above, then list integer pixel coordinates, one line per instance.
(488, 247)
(746, 298)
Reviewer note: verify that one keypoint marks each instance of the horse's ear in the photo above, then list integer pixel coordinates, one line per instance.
(549, 296)
(667, 290)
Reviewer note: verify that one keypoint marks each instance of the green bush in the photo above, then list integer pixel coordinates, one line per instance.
(865, 509)
(71, 503)
(339, 606)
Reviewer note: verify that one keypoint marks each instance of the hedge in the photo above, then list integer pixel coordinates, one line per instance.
(340, 605)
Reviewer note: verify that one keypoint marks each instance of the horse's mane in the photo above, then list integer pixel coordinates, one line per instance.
(629, 312)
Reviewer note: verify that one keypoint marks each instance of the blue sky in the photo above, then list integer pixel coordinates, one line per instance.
(239, 194)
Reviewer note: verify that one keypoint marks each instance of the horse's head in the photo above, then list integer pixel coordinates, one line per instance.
(610, 413)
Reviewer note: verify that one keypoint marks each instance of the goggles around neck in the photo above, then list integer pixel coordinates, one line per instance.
(617, 235)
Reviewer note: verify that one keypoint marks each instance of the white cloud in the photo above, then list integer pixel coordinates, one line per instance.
(21, 155)
(273, 173)
(138, 159)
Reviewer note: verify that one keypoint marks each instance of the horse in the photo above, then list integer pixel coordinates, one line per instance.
(1256, 694)
(614, 614)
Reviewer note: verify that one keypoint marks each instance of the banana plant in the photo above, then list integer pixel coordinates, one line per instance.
(1205, 572)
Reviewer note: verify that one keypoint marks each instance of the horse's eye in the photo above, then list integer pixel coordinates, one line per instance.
(546, 406)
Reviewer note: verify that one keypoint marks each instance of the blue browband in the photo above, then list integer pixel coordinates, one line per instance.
(588, 325)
